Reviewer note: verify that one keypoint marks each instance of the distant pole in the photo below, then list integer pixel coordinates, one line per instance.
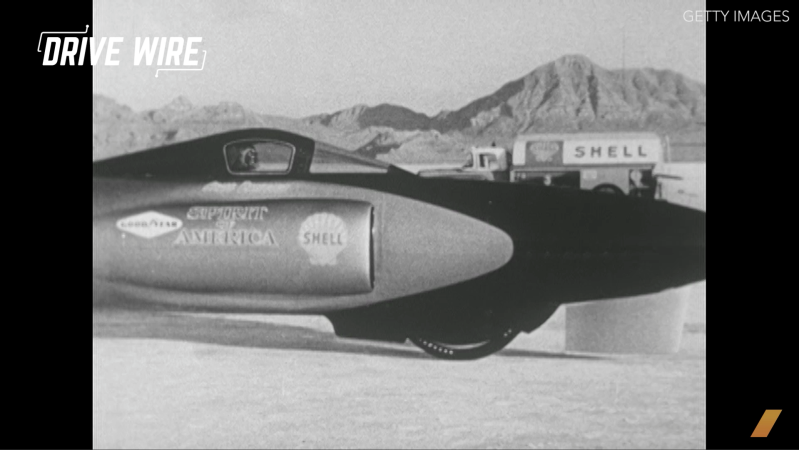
(623, 66)
(668, 147)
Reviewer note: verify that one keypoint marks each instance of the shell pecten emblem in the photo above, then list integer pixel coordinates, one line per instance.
(323, 236)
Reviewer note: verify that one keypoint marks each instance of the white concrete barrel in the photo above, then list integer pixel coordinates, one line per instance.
(651, 324)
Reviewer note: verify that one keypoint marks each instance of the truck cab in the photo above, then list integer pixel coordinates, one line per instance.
(485, 163)
(491, 162)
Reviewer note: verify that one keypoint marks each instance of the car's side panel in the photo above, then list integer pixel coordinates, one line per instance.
(416, 247)
(304, 247)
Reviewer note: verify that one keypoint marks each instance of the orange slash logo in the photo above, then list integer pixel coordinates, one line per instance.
(766, 422)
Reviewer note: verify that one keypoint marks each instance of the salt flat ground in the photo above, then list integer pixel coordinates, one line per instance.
(267, 381)
(236, 381)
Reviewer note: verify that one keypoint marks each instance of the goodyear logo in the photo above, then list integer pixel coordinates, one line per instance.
(149, 224)
(323, 236)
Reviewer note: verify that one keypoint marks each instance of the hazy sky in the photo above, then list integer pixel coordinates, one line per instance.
(296, 58)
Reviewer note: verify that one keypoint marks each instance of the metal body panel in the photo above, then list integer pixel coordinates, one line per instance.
(310, 247)
(416, 247)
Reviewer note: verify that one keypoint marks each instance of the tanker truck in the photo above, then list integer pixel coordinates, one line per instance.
(616, 163)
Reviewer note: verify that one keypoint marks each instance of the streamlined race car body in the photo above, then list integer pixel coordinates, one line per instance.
(268, 221)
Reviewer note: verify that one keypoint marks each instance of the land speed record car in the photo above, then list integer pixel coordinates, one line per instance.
(269, 221)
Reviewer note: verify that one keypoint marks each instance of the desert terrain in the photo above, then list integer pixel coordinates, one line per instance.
(213, 381)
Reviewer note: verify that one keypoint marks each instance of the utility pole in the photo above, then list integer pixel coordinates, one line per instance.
(623, 66)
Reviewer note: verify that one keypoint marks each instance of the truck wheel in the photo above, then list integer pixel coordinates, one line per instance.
(469, 351)
(608, 189)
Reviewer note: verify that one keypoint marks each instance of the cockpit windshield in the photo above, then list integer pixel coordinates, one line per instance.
(330, 159)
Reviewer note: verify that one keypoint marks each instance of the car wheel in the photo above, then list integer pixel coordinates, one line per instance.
(462, 352)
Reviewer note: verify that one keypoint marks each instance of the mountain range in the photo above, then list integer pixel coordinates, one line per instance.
(569, 94)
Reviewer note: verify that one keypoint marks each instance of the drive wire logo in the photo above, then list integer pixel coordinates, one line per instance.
(70, 48)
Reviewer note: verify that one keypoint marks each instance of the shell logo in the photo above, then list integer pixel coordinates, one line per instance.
(323, 236)
(543, 151)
